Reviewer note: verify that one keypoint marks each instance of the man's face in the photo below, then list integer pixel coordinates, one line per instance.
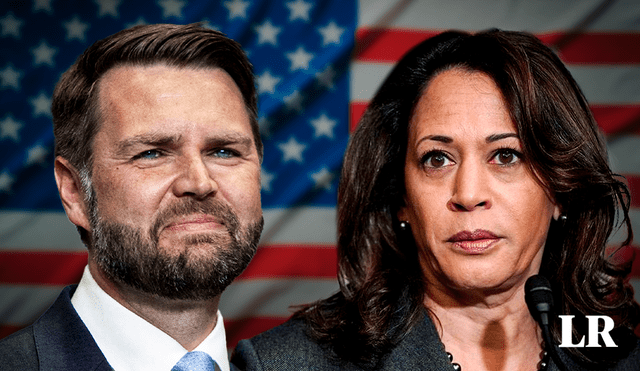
(175, 209)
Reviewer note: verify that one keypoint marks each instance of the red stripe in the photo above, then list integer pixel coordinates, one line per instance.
(50, 268)
(41, 268)
(239, 329)
(613, 119)
(293, 261)
(6, 330)
(633, 181)
(64, 268)
(626, 253)
(389, 45)
(617, 119)
(356, 109)
(595, 47)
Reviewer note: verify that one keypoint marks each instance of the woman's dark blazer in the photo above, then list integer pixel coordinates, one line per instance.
(287, 347)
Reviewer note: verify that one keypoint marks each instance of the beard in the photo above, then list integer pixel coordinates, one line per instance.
(206, 264)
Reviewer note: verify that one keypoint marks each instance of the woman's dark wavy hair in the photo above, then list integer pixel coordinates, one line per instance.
(381, 283)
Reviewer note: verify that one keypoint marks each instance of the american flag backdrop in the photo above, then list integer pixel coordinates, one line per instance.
(317, 64)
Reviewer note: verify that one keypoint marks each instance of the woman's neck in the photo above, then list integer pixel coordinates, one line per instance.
(486, 331)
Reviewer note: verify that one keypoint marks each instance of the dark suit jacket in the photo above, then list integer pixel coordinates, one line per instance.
(58, 340)
(287, 347)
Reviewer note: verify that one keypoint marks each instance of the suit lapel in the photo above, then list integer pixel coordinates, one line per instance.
(63, 341)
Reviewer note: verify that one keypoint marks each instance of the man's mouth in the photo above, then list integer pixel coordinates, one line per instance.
(194, 223)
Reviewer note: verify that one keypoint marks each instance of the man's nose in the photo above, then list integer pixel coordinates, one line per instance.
(195, 179)
(470, 188)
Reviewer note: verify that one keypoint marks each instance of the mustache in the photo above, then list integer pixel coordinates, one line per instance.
(190, 206)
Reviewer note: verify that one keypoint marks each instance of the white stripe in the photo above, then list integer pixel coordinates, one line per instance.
(366, 78)
(272, 297)
(619, 235)
(305, 225)
(475, 15)
(21, 305)
(600, 84)
(38, 231)
(608, 84)
(624, 154)
(52, 231)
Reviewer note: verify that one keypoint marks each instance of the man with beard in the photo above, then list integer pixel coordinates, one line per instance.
(157, 163)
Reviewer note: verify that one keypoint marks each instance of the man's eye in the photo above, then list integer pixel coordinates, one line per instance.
(436, 159)
(506, 156)
(224, 153)
(148, 154)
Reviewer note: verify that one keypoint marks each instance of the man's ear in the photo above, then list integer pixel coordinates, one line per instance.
(71, 194)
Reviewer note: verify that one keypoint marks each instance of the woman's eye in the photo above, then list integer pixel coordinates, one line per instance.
(436, 159)
(505, 157)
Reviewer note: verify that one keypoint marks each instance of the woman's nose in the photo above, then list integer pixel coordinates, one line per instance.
(470, 188)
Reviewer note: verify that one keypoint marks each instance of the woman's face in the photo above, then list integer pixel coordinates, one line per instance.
(479, 217)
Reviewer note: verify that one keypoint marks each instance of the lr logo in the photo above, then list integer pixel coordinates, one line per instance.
(592, 333)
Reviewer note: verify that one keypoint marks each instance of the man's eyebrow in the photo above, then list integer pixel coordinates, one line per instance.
(496, 137)
(152, 140)
(229, 139)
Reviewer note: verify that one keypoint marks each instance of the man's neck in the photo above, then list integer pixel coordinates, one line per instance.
(189, 322)
(487, 332)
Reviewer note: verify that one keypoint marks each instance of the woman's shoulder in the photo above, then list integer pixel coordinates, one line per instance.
(632, 361)
(287, 336)
(285, 347)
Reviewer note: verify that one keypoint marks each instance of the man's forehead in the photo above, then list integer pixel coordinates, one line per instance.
(133, 79)
(160, 100)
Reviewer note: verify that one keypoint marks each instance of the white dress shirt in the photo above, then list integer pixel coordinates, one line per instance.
(129, 342)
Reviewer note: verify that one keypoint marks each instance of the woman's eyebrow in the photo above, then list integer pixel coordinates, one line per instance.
(437, 138)
(496, 137)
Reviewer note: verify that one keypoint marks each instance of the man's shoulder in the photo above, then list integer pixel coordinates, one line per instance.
(18, 351)
(285, 347)
(58, 339)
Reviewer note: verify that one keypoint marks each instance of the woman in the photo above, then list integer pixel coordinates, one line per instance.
(477, 165)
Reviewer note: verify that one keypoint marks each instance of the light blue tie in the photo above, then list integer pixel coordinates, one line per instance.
(196, 361)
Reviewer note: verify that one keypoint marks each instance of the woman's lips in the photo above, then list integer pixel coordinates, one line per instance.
(474, 242)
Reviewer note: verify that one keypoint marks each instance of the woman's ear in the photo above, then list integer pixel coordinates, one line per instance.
(403, 212)
(71, 193)
(556, 212)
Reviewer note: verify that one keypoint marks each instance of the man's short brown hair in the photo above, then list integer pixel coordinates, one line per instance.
(75, 106)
